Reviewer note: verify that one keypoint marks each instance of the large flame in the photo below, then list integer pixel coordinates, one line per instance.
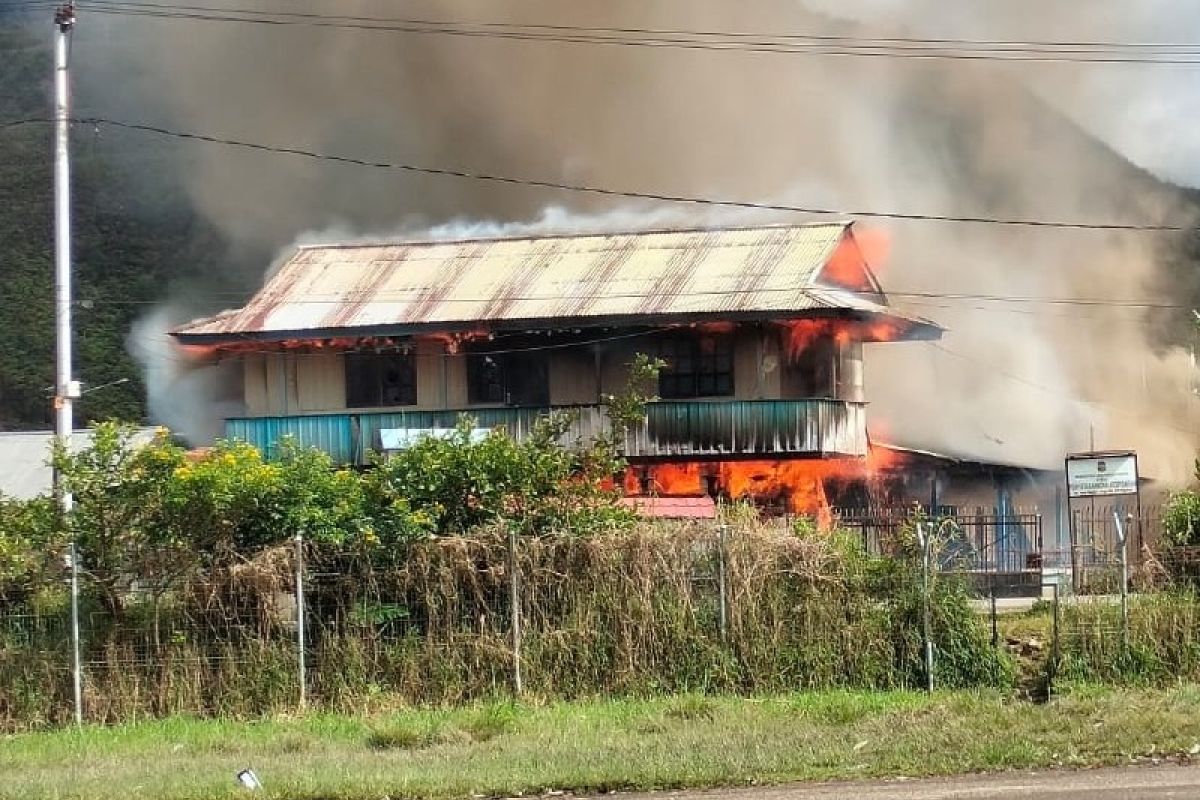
(798, 486)
(848, 266)
(875, 244)
(802, 334)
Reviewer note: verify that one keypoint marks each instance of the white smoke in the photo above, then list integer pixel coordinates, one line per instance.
(189, 397)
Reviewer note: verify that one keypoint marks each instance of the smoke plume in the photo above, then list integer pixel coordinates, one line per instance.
(1018, 382)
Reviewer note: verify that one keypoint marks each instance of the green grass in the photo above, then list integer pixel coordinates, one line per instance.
(504, 749)
(1037, 623)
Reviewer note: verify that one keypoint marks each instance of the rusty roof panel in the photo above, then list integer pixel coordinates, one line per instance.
(601, 276)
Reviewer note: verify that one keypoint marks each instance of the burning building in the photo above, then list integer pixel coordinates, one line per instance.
(360, 348)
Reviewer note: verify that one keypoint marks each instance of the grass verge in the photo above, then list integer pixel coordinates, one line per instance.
(504, 749)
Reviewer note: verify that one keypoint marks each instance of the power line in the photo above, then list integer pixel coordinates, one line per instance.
(991, 370)
(965, 296)
(16, 123)
(772, 36)
(1114, 53)
(152, 357)
(611, 192)
(353, 295)
(445, 354)
(642, 30)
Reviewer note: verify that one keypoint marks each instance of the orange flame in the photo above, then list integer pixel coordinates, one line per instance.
(453, 342)
(804, 333)
(875, 245)
(801, 334)
(685, 479)
(800, 485)
(199, 352)
(847, 267)
(314, 345)
(881, 330)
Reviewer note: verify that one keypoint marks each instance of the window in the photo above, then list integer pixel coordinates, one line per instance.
(696, 366)
(485, 379)
(813, 372)
(514, 379)
(380, 379)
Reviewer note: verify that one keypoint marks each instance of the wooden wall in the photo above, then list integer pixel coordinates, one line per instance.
(299, 383)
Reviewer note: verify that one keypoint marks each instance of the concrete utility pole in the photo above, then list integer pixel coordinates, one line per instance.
(66, 388)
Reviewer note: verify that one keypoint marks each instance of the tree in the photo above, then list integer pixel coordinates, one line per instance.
(122, 524)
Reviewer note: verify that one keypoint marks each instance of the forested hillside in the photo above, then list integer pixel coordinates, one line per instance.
(132, 235)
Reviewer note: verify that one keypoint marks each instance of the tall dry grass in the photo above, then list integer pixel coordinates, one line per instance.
(629, 614)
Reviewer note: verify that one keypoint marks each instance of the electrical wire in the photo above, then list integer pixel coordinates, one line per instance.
(992, 370)
(794, 44)
(582, 188)
(639, 30)
(353, 295)
(283, 13)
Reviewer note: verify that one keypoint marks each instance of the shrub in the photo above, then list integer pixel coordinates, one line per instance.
(461, 484)
(492, 720)
(1181, 519)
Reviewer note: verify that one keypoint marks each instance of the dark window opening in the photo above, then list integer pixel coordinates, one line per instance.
(380, 379)
(696, 366)
(812, 373)
(514, 379)
(485, 379)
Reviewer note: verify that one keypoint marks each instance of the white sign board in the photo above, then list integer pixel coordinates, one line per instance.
(404, 438)
(1102, 475)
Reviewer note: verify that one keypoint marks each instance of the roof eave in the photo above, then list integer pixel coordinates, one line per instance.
(912, 329)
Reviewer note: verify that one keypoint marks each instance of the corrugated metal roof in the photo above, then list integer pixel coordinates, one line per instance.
(588, 279)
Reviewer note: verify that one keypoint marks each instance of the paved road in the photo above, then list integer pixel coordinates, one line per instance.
(1134, 783)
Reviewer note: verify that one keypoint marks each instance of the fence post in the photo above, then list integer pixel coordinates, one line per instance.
(923, 538)
(1076, 578)
(300, 622)
(76, 658)
(1054, 646)
(1123, 544)
(723, 580)
(514, 599)
(995, 622)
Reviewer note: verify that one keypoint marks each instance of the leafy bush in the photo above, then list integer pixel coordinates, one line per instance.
(458, 484)
(1181, 519)
(27, 537)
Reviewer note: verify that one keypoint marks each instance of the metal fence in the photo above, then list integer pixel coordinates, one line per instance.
(1094, 555)
(693, 607)
(696, 607)
(996, 550)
